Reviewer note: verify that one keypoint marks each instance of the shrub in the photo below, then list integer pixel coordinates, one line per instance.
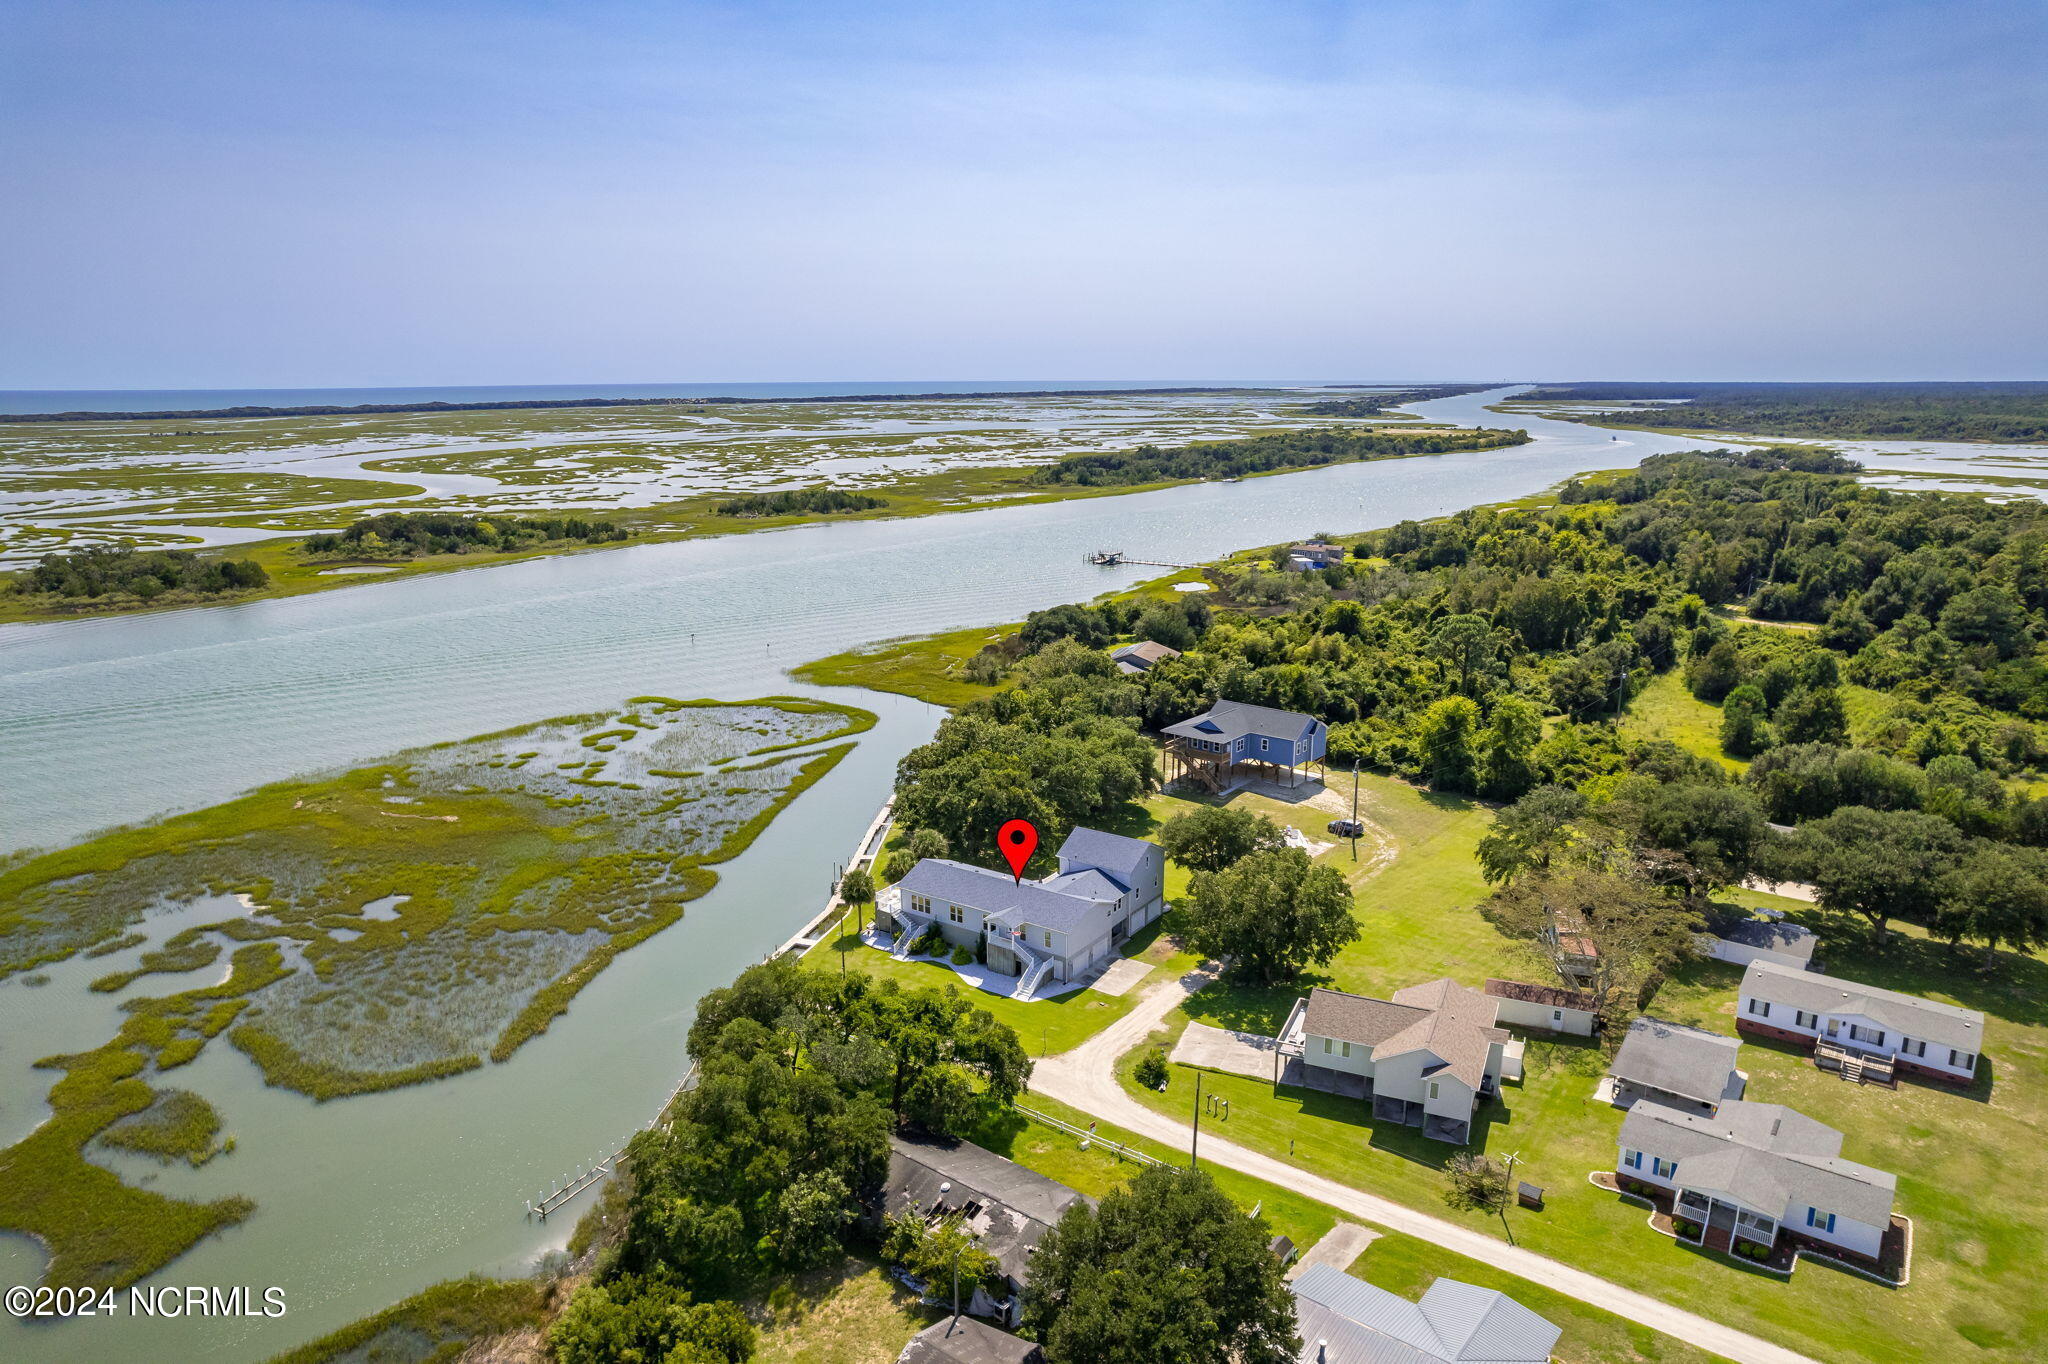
(1151, 1071)
(825, 501)
(962, 957)
(930, 943)
(1688, 1230)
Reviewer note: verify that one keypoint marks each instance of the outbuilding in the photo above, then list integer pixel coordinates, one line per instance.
(1547, 1008)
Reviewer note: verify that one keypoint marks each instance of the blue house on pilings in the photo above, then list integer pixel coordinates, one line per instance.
(1209, 748)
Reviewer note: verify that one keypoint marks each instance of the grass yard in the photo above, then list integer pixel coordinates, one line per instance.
(1979, 1235)
(1044, 1025)
(1395, 1262)
(853, 1313)
(1666, 710)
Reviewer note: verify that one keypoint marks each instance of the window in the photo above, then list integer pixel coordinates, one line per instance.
(1759, 1008)
(1962, 1060)
(1048, 937)
(1820, 1221)
(1432, 1089)
(1859, 1033)
(1557, 1015)
(1912, 1047)
(1262, 745)
(1326, 1044)
(1347, 1048)
(1632, 1159)
(1805, 1019)
(920, 904)
(956, 914)
(1662, 1168)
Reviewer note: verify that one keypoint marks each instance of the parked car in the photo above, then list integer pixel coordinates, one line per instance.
(1348, 828)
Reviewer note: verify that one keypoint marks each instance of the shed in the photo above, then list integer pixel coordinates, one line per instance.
(1550, 1008)
(1740, 939)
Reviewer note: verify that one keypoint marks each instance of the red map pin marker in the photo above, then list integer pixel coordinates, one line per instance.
(1018, 839)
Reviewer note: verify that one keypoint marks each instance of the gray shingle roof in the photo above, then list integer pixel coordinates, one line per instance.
(996, 893)
(1676, 1059)
(963, 1340)
(1115, 854)
(1226, 720)
(1909, 1015)
(1455, 1322)
(1785, 939)
(1087, 883)
(1767, 1157)
(1017, 1206)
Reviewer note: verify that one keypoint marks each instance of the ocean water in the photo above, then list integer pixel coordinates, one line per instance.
(202, 399)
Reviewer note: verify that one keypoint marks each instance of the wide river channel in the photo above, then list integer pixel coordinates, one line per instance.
(364, 1201)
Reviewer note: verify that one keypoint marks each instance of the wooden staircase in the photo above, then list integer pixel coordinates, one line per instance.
(1862, 1067)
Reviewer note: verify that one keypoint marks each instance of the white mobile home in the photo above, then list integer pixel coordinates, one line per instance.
(1872, 1032)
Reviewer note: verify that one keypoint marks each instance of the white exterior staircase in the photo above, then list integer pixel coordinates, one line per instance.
(1035, 968)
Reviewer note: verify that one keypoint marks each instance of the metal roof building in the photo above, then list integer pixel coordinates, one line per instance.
(1342, 1320)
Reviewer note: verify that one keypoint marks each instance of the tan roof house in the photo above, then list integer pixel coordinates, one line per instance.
(1426, 1058)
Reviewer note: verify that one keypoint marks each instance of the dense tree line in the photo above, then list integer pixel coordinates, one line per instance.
(1261, 454)
(91, 574)
(1914, 411)
(406, 535)
(1060, 749)
(765, 1163)
(800, 501)
(1492, 651)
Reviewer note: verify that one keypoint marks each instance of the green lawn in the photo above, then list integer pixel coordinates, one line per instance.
(1979, 1237)
(1396, 1262)
(1044, 1025)
(1666, 710)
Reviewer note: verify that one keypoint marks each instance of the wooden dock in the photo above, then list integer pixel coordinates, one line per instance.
(1116, 558)
(569, 1185)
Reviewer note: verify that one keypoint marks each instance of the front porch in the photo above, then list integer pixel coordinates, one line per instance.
(1707, 1224)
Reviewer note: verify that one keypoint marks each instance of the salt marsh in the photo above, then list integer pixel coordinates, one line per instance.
(169, 483)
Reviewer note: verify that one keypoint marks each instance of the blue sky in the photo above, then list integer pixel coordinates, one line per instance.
(208, 193)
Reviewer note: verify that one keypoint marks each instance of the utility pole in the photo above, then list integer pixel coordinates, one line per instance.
(956, 1283)
(1354, 807)
(1197, 1139)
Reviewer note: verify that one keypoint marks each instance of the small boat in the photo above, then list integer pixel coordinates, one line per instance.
(1108, 558)
(1233, 479)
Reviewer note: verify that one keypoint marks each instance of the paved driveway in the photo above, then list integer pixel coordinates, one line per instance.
(1086, 1078)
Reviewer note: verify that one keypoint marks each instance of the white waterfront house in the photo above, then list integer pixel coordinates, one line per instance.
(1062, 928)
(1868, 1031)
(1754, 1171)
